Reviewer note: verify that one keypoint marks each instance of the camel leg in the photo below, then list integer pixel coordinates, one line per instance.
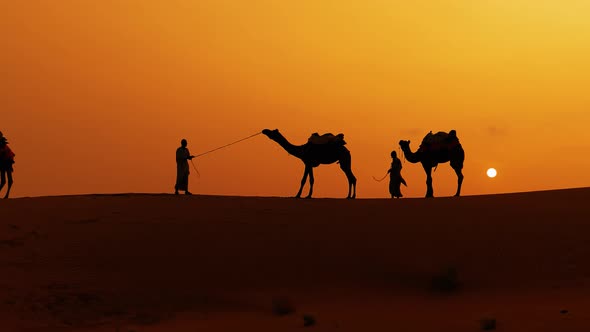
(9, 184)
(351, 180)
(310, 182)
(303, 180)
(429, 190)
(459, 180)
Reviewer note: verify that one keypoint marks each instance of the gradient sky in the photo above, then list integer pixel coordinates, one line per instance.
(96, 95)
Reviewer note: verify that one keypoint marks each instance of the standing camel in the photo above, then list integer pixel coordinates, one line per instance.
(437, 148)
(314, 154)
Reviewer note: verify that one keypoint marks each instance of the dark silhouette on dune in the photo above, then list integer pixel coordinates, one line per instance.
(324, 149)
(437, 148)
(6, 162)
(182, 170)
(395, 176)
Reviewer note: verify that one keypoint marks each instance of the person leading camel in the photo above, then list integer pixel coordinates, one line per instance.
(182, 169)
(395, 176)
(6, 162)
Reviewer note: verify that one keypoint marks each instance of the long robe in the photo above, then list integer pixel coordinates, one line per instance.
(395, 178)
(182, 169)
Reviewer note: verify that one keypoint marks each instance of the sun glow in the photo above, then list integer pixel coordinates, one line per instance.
(491, 172)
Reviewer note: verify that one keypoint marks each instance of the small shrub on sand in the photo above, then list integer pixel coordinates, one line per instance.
(282, 305)
(487, 324)
(308, 320)
(446, 282)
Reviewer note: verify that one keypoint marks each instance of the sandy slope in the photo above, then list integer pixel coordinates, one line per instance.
(165, 263)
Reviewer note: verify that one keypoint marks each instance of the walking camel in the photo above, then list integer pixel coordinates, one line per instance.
(326, 149)
(437, 148)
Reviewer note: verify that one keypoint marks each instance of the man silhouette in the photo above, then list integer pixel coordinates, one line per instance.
(395, 176)
(182, 169)
(6, 161)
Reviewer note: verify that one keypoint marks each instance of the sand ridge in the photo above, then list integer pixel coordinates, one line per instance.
(151, 262)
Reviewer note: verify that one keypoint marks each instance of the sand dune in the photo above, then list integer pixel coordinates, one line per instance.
(139, 262)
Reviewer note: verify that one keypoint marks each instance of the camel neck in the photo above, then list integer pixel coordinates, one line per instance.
(295, 150)
(412, 157)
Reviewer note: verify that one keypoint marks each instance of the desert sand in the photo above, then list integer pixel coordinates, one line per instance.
(148, 262)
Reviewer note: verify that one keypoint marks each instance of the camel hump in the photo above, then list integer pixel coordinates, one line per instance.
(328, 138)
(439, 140)
(431, 138)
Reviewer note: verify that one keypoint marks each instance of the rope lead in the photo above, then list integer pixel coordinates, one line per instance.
(224, 146)
(221, 147)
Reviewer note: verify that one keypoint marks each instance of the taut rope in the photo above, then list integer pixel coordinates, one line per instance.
(232, 143)
(221, 147)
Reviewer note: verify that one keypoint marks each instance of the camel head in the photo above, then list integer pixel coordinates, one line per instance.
(413, 157)
(404, 144)
(272, 134)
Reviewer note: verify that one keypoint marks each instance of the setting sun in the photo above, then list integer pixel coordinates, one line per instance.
(491, 172)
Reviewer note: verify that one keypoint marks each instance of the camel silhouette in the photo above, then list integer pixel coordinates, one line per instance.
(314, 154)
(437, 148)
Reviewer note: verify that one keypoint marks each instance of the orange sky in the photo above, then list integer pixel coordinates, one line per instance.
(95, 95)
